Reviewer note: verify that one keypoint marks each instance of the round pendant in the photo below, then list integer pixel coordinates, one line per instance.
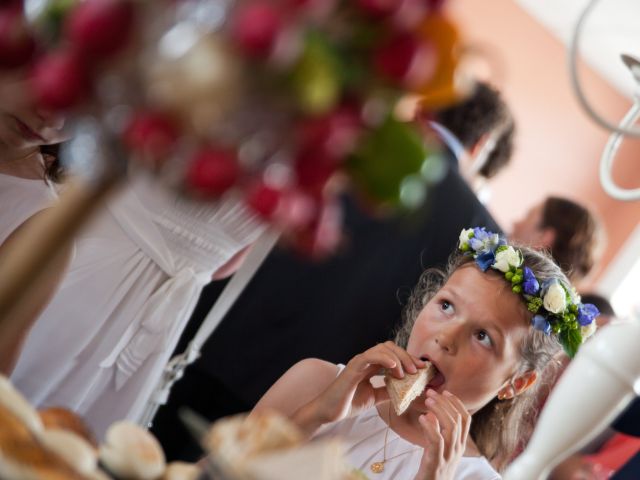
(377, 467)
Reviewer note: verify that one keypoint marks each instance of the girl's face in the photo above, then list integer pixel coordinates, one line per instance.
(30, 128)
(471, 330)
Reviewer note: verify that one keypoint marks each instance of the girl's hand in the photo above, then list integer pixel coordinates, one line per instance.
(351, 392)
(446, 430)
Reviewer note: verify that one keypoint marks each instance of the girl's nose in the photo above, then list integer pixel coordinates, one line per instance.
(448, 338)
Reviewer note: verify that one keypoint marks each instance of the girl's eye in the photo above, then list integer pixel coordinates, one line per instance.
(446, 307)
(484, 338)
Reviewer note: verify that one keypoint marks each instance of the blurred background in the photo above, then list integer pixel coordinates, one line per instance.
(526, 45)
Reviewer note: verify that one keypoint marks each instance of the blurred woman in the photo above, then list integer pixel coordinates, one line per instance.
(568, 230)
(100, 344)
(29, 168)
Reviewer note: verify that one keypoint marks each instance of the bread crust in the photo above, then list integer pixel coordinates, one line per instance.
(403, 391)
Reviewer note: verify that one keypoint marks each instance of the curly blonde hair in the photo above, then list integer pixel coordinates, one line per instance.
(502, 427)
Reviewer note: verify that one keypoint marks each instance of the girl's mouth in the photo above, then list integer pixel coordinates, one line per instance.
(438, 379)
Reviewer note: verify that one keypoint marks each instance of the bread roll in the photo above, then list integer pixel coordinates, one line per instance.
(182, 471)
(233, 440)
(63, 419)
(403, 391)
(241, 436)
(131, 452)
(319, 460)
(74, 450)
(22, 456)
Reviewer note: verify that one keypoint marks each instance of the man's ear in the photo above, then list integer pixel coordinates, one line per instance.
(518, 385)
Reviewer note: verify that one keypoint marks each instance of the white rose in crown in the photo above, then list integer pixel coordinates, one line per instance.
(555, 300)
(507, 258)
(588, 330)
(465, 235)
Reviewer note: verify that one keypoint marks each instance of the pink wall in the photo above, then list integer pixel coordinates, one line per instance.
(558, 147)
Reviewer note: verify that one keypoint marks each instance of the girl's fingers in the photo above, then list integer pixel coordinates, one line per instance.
(382, 350)
(372, 360)
(386, 355)
(465, 417)
(409, 363)
(444, 402)
(431, 429)
(449, 429)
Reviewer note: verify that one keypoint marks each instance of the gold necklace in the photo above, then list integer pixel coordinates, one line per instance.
(378, 467)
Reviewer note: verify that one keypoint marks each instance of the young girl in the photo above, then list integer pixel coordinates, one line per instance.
(488, 331)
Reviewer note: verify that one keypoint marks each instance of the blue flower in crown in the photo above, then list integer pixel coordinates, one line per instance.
(587, 313)
(555, 306)
(541, 323)
(484, 241)
(530, 284)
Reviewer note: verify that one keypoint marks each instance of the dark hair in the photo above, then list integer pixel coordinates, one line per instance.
(481, 113)
(501, 427)
(576, 235)
(601, 303)
(53, 170)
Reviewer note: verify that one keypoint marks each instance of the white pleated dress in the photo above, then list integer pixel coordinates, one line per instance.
(101, 345)
(364, 436)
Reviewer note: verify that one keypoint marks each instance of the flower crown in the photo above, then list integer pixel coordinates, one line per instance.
(556, 306)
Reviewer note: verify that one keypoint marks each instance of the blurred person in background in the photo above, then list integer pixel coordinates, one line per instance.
(568, 230)
(29, 171)
(480, 131)
(123, 292)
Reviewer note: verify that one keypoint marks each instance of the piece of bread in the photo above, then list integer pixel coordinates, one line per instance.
(403, 391)
(233, 440)
(241, 436)
(131, 452)
(317, 460)
(22, 456)
(62, 419)
(13, 400)
(73, 449)
(182, 471)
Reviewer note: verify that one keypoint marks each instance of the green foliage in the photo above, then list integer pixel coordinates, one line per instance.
(534, 304)
(387, 155)
(316, 77)
(571, 339)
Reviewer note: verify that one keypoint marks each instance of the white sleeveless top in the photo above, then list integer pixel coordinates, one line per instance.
(20, 199)
(364, 435)
(101, 345)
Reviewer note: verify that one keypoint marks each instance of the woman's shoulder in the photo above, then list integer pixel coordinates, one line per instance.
(21, 199)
